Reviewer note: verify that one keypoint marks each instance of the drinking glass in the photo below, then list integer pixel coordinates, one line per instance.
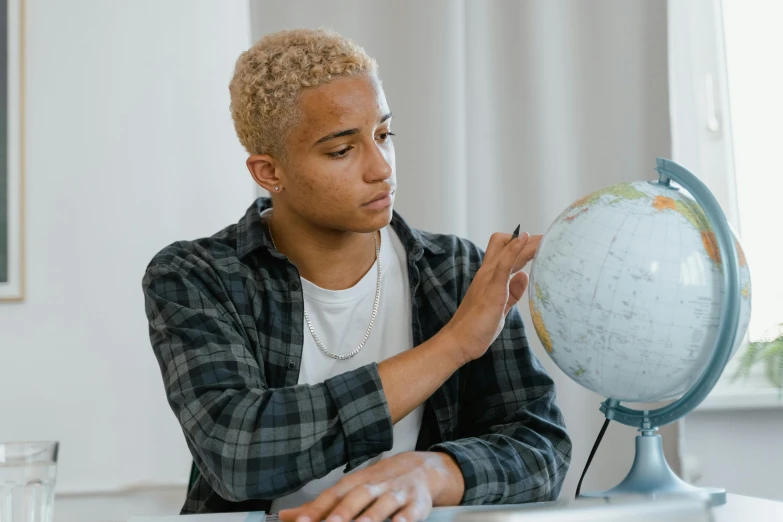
(27, 475)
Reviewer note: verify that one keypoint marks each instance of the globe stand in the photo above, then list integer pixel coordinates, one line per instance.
(651, 475)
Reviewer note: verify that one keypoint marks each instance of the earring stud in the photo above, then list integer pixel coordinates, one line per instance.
(277, 189)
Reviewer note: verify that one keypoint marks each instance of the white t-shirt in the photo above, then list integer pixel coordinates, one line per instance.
(340, 319)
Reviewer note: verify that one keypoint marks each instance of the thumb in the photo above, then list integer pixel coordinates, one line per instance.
(516, 288)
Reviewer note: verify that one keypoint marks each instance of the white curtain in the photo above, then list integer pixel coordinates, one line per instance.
(505, 113)
(699, 98)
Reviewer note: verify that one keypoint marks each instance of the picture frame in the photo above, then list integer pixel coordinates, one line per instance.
(12, 230)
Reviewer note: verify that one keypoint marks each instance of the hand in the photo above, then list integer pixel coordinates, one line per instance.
(404, 487)
(496, 288)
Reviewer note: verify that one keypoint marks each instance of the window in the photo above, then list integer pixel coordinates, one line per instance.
(754, 40)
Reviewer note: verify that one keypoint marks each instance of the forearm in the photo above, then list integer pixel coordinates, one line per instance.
(411, 377)
(289, 436)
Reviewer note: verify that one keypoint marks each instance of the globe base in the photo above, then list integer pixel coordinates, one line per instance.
(651, 475)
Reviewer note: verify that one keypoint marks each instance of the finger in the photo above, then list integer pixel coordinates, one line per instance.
(496, 243)
(288, 515)
(291, 515)
(508, 258)
(299, 514)
(355, 502)
(516, 288)
(528, 253)
(314, 511)
(386, 505)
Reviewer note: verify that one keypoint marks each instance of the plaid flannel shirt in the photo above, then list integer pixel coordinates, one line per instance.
(226, 325)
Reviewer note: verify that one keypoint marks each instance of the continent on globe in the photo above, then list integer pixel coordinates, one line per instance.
(538, 324)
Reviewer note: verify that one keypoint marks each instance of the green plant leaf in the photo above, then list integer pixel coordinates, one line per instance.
(746, 361)
(768, 353)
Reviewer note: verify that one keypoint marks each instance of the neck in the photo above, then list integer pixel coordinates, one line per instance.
(331, 259)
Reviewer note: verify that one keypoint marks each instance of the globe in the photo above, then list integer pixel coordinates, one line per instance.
(641, 292)
(626, 292)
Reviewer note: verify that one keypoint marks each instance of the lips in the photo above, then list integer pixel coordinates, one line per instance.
(380, 200)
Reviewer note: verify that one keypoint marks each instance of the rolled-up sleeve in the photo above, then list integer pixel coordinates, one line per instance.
(248, 440)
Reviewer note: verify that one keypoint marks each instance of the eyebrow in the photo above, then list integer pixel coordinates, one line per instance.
(347, 132)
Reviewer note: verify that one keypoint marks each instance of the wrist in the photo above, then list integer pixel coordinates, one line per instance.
(449, 484)
(456, 345)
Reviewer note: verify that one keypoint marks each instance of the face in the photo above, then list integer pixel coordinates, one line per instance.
(339, 172)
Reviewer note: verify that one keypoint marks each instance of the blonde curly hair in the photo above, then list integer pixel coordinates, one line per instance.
(269, 75)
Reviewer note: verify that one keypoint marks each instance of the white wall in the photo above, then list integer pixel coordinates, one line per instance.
(737, 450)
(129, 147)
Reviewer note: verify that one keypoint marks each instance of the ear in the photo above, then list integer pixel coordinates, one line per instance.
(266, 171)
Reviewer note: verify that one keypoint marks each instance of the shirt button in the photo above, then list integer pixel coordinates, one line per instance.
(295, 285)
(291, 365)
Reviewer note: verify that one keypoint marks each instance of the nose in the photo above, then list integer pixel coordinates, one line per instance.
(380, 163)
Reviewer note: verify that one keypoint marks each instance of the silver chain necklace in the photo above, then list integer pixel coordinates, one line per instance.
(372, 317)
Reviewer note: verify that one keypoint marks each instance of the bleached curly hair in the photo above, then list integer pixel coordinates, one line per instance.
(269, 76)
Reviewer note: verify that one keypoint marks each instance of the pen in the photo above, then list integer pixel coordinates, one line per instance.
(516, 233)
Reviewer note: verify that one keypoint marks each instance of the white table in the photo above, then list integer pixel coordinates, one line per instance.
(738, 508)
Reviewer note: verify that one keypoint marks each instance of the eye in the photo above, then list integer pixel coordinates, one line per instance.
(339, 153)
(385, 135)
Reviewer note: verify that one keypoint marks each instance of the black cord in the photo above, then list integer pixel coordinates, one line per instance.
(590, 458)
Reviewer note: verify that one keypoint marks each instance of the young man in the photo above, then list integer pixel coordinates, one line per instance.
(324, 359)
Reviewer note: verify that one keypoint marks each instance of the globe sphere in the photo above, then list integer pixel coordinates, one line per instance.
(626, 292)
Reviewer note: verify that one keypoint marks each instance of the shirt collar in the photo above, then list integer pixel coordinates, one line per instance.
(253, 234)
